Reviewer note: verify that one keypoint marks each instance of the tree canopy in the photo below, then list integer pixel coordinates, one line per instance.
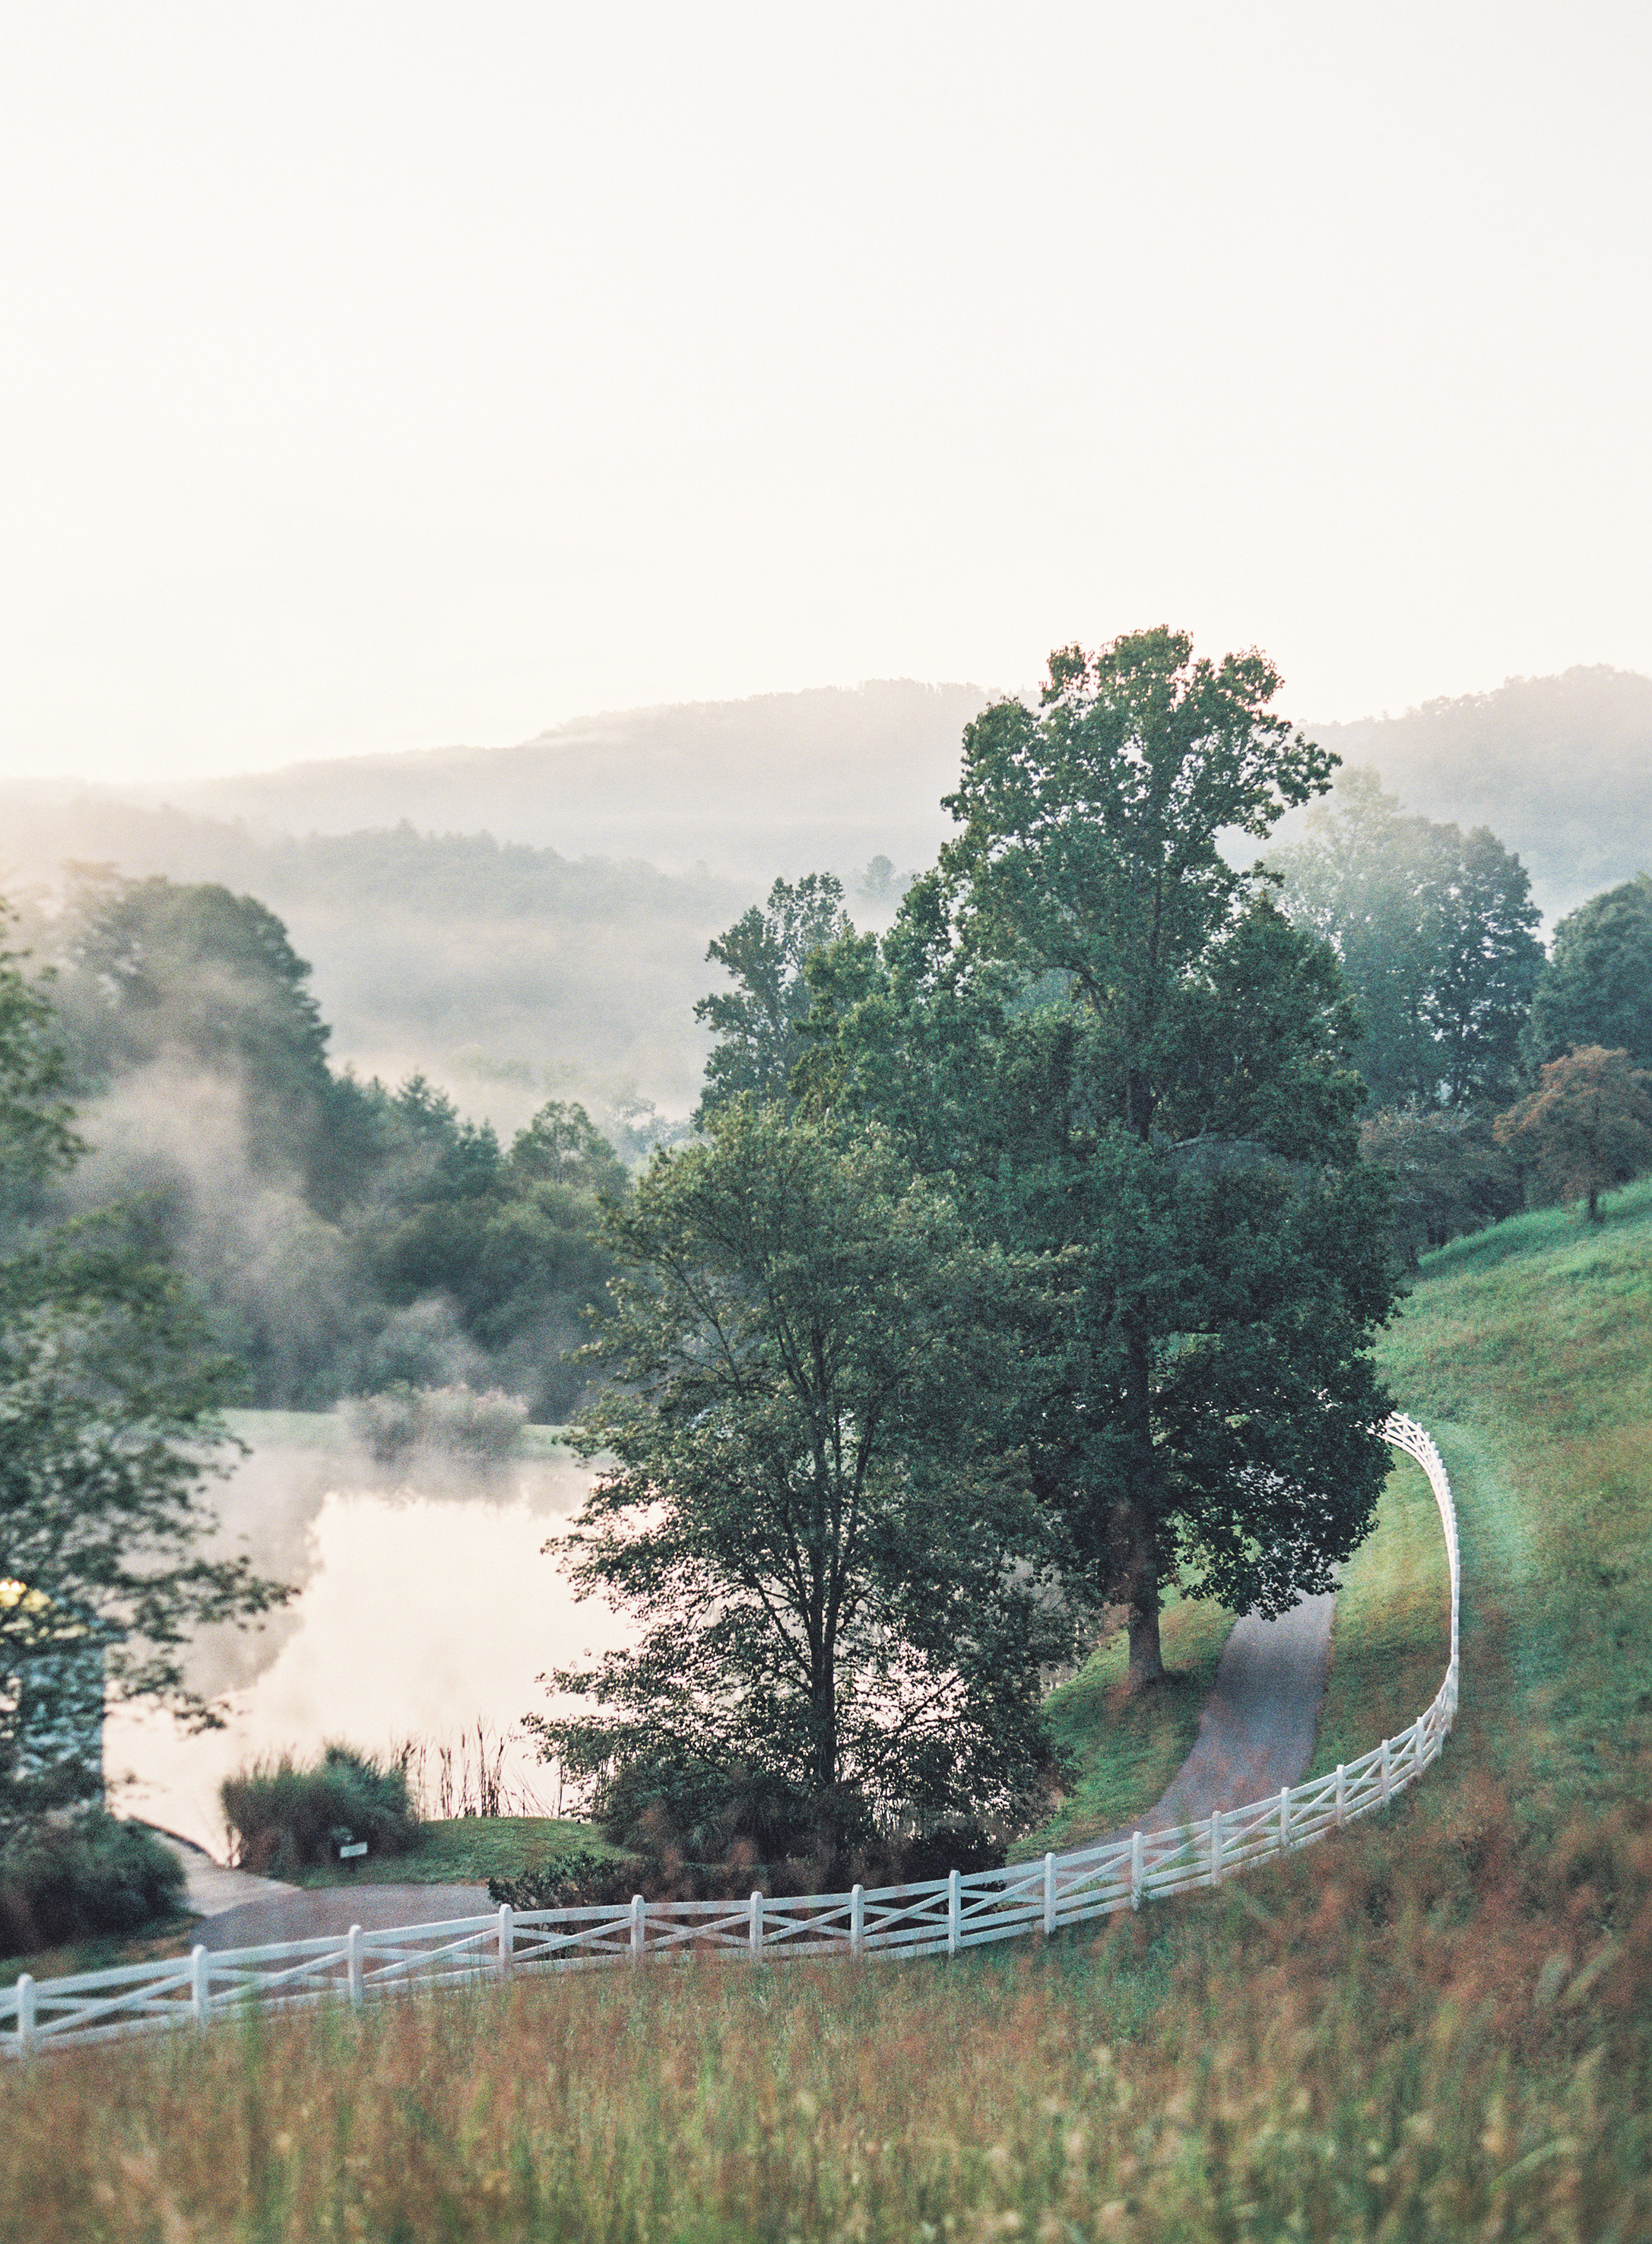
(1596, 989)
(837, 1573)
(109, 1396)
(1588, 1127)
(1130, 1065)
(757, 1022)
(1435, 933)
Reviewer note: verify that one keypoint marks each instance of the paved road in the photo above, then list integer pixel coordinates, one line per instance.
(209, 1887)
(1256, 1732)
(239, 1910)
(332, 1909)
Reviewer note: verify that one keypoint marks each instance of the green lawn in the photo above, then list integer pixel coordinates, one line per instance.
(464, 1850)
(1128, 1745)
(1527, 1352)
(1392, 1634)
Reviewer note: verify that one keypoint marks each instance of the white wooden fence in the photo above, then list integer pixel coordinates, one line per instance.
(932, 1918)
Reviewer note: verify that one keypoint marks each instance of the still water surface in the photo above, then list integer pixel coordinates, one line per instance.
(425, 1604)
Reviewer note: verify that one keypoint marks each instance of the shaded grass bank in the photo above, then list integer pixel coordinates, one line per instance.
(1127, 1744)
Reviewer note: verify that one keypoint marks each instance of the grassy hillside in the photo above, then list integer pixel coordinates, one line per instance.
(1439, 2026)
(1127, 1745)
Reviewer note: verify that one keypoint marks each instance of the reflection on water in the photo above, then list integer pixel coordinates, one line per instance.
(425, 1604)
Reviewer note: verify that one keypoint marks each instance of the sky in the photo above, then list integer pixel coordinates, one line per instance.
(387, 376)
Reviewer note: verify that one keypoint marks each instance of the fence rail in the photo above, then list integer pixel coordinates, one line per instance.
(936, 1917)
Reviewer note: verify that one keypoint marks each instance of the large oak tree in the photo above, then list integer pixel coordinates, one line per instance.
(1128, 1064)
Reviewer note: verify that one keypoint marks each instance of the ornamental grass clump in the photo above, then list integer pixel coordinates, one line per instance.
(283, 1818)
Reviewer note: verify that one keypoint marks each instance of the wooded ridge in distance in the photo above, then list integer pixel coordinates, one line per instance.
(831, 777)
(455, 922)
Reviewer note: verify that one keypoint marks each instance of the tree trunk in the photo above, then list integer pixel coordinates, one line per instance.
(1141, 1568)
(1147, 1659)
(1595, 1204)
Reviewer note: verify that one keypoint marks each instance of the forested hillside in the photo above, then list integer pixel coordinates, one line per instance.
(1560, 767)
(505, 971)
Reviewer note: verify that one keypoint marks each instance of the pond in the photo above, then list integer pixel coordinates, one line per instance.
(425, 1607)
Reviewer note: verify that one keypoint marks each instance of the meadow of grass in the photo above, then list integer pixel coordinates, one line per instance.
(1438, 2025)
(463, 1850)
(1391, 1638)
(1127, 1745)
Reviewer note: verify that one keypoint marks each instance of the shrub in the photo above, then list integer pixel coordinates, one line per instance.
(578, 1879)
(283, 1818)
(86, 1876)
(671, 1804)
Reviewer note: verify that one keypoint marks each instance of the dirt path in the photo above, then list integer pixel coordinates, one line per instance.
(1256, 1732)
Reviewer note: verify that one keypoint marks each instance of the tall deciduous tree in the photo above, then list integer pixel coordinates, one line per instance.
(1597, 987)
(756, 1022)
(1588, 1127)
(837, 1578)
(1436, 934)
(1200, 1397)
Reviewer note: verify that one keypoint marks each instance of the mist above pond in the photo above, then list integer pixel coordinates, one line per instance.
(424, 1605)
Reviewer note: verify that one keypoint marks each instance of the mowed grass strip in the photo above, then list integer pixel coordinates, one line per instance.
(466, 1850)
(1127, 1744)
(1527, 1350)
(1391, 1638)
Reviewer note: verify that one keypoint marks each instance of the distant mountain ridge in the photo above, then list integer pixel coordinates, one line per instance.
(1560, 768)
(780, 783)
(495, 915)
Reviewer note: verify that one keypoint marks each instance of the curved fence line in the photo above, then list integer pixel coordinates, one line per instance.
(937, 1916)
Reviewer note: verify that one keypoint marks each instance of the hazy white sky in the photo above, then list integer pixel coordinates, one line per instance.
(378, 376)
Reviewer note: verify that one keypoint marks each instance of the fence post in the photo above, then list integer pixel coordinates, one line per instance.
(1284, 1819)
(754, 1937)
(857, 1920)
(353, 1962)
(639, 1926)
(954, 1912)
(200, 1985)
(25, 2014)
(1342, 1795)
(1049, 1895)
(507, 1940)
(1383, 1769)
(1215, 1846)
(1136, 1869)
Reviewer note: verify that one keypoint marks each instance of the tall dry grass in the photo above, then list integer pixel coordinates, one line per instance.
(1428, 2033)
